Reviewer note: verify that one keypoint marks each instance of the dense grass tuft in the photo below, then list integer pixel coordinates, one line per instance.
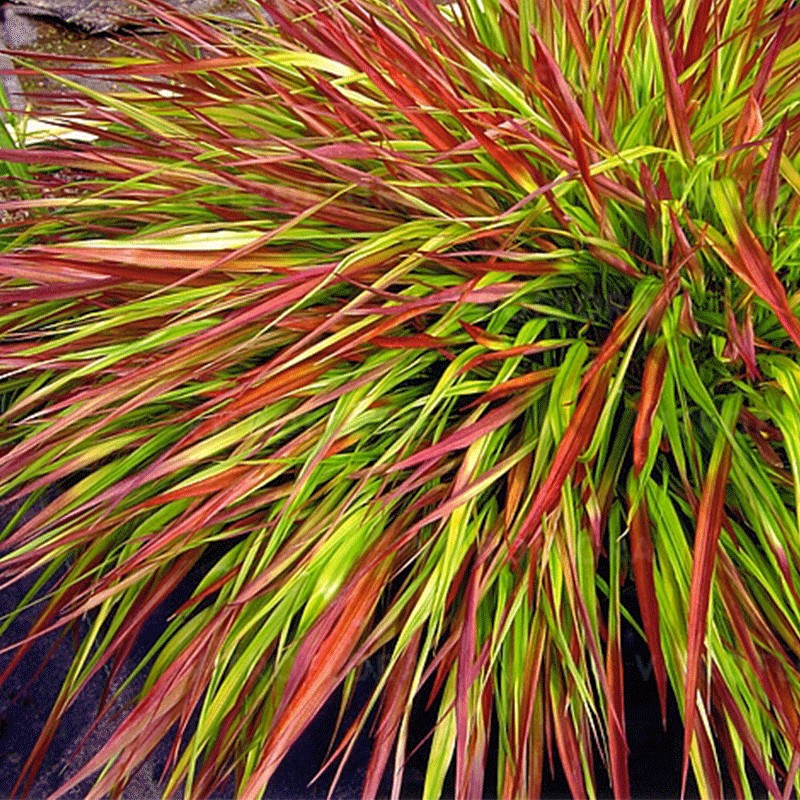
(451, 323)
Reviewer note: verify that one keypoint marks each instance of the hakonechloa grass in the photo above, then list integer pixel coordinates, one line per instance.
(458, 334)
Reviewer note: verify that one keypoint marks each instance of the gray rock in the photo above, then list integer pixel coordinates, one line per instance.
(99, 16)
(20, 31)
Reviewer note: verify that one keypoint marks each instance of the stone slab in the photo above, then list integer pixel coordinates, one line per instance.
(99, 16)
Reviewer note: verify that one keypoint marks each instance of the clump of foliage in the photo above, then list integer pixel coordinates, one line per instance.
(425, 330)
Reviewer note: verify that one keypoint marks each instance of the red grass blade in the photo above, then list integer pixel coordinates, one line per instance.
(722, 693)
(698, 36)
(710, 517)
(750, 124)
(617, 740)
(749, 260)
(677, 114)
(576, 438)
(465, 436)
(514, 385)
(652, 385)
(393, 707)
(642, 563)
(766, 192)
(640, 541)
(319, 667)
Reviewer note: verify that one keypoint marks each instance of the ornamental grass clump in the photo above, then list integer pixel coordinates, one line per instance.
(459, 334)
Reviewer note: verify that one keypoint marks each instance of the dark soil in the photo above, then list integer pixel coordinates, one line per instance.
(25, 701)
